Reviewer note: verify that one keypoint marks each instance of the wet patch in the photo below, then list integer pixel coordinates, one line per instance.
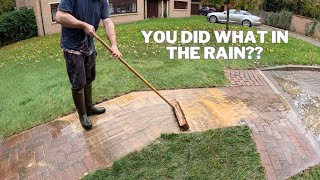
(57, 127)
(308, 106)
(309, 109)
(290, 87)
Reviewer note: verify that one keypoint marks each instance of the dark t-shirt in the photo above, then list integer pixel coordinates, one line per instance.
(89, 11)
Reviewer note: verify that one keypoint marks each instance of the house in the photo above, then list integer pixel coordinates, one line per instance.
(121, 11)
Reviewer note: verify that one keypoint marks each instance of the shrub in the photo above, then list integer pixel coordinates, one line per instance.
(311, 28)
(308, 8)
(280, 20)
(7, 5)
(311, 8)
(17, 25)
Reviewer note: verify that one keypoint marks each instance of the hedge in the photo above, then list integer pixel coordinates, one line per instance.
(280, 20)
(17, 25)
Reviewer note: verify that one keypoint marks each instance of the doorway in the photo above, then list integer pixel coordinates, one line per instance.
(195, 9)
(152, 8)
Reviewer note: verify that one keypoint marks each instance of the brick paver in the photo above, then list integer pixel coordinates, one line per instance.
(62, 149)
(244, 77)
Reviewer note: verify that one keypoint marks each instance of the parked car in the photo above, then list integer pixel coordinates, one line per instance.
(236, 16)
(206, 10)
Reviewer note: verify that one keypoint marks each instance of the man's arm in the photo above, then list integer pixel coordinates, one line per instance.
(111, 35)
(67, 20)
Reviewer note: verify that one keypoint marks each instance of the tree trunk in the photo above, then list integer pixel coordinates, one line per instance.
(228, 14)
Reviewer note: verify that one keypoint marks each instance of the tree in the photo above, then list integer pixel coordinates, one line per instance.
(309, 8)
(227, 2)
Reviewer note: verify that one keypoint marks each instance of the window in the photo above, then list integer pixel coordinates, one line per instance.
(54, 8)
(231, 11)
(238, 12)
(180, 5)
(111, 8)
(123, 6)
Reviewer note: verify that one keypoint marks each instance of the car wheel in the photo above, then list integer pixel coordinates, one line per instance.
(246, 23)
(213, 19)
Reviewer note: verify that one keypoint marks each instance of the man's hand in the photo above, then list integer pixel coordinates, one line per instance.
(89, 30)
(115, 52)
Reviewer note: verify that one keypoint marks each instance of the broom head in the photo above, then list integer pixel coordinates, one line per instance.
(179, 115)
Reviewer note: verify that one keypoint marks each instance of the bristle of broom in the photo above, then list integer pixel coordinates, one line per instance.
(180, 115)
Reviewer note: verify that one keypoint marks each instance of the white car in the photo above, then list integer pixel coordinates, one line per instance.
(235, 16)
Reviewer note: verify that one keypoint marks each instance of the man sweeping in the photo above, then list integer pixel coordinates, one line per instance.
(80, 19)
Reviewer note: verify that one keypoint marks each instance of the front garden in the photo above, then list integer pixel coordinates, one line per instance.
(35, 87)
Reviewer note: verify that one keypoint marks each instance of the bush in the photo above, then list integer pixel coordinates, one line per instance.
(280, 20)
(17, 25)
(7, 5)
(308, 8)
(312, 27)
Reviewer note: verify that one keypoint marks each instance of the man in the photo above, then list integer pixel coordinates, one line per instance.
(80, 19)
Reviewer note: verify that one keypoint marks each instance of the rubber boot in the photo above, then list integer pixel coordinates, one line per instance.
(79, 101)
(91, 110)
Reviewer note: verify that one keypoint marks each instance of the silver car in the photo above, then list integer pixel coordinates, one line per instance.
(235, 16)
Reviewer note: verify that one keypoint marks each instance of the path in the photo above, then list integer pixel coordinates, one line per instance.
(292, 34)
(61, 149)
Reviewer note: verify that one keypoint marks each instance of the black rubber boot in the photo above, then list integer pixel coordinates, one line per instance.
(91, 110)
(79, 101)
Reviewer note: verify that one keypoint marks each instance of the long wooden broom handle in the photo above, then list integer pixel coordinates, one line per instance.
(134, 71)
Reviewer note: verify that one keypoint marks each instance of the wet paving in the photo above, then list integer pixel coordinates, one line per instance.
(302, 90)
(62, 149)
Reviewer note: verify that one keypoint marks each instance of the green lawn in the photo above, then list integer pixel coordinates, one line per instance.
(216, 154)
(35, 88)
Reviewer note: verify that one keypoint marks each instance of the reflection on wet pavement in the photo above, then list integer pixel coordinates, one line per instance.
(289, 86)
(309, 107)
(300, 85)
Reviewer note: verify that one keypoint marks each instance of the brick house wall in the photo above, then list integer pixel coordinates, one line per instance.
(178, 13)
(46, 24)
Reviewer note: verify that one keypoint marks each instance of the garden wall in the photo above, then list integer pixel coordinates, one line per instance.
(304, 25)
(300, 24)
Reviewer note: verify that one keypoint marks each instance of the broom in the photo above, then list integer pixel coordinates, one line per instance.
(174, 103)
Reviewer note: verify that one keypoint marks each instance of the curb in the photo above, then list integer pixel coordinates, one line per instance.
(291, 68)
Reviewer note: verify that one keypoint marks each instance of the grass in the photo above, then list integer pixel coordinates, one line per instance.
(216, 154)
(312, 173)
(35, 87)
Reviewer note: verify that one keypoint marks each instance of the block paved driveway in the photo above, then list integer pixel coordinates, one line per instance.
(61, 149)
